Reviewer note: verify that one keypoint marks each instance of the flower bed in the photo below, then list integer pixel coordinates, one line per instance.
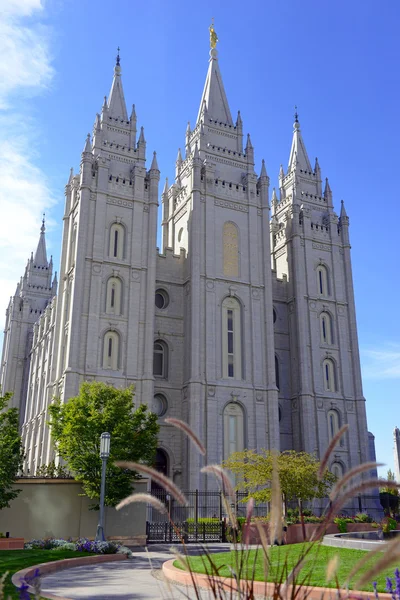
(80, 545)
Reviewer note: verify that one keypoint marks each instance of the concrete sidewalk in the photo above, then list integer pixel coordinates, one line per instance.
(139, 577)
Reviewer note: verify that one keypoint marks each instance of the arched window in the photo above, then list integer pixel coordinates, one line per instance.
(114, 296)
(117, 235)
(322, 280)
(231, 339)
(337, 469)
(233, 429)
(160, 359)
(277, 372)
(333, 423)
(329, 375)
(111, 350)
(231, 249)
(325, 321)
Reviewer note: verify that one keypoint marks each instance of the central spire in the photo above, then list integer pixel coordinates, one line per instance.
(298, 152)
(116, 100)
(40, 259)
(214, 99)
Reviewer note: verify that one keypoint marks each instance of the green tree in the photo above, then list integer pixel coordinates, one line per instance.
(76, 428)
(389, 497)
(298, 475)
(11, 451)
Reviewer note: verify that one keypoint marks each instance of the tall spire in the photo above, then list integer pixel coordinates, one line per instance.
(40, 258)
(298, 153)
(116, 99)
(214, 97)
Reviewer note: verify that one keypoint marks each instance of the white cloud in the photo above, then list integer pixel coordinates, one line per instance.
(383, 363)
(25, 69)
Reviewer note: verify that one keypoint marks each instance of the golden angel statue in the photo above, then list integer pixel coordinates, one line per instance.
(213, 36)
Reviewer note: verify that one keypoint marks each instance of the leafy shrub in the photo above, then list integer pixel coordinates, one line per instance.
(341, 523)
(363, 518)
(388, 524)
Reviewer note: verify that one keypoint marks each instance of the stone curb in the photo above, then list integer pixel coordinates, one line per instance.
(60, 565)
(260, 588)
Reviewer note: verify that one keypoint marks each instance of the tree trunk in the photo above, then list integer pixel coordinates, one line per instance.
(302, 519)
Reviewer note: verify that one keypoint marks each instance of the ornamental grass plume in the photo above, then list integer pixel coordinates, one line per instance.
(189, 432)
(147, 498)
(161, 479)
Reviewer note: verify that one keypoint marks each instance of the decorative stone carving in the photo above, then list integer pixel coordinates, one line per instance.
(325, 247)
(211, 391)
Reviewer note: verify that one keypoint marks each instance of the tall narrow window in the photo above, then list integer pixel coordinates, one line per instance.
(333, 423)
(322, 280)
(233, 429)
(277, 372)
(231, 250)
(111, 350)
(326, 328)
(114, 296)
(328, 368)
(160, 359)
(116, 248)
(231, 339)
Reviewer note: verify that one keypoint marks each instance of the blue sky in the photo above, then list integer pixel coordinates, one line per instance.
(338, 61)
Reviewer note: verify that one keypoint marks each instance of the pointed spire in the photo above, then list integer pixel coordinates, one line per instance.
(263, 172)
(343, 213)
(133, 114)
(88, 145)
(165, 190)
(188, 130)
(105, 106)
(249, 145)
(40, 259)
(97, 122)
(179, 158)
(214, 99)
(281, 172)
(196, 154)
(71, 176)
(54, 284)
(154, 164)
(141, 139)
(298, 153)
(116, 101)
(317, 168)
(274, 198)
(239, 122)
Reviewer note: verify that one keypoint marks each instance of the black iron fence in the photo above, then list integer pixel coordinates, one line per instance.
(202, 505)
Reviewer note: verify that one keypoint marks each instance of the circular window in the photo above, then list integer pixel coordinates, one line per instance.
(274, 314)
(159, 405)
(161, 299)
(180, 234)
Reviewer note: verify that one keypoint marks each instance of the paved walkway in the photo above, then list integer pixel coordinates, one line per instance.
(139, 577)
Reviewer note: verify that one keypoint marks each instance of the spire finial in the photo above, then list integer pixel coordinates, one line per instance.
(43, 227)
(296, 124)
(213, 36)
(118, 59)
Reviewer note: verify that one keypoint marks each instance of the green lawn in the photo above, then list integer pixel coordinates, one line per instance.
(15, 560)
(313, 572)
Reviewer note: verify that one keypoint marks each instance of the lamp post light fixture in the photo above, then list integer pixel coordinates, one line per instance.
(104, 454)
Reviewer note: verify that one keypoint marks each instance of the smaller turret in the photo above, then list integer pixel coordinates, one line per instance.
(187, 139)
(141, 145)
(249, 150)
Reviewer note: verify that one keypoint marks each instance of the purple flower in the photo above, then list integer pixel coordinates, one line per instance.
(23, 591)
(389, 587)
(375, 585)
(397, 580)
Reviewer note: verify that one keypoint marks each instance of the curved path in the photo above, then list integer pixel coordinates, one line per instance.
(137, 578)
